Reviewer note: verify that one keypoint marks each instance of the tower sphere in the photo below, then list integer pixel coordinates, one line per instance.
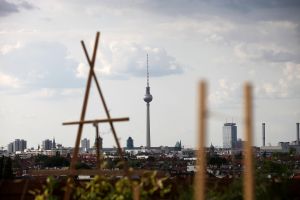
(148, 98)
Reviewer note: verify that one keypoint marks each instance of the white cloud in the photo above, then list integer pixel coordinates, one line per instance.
(82, 70)
(291, 71)
(263, 52)
(71, 92)
(53, 93)
(45, 93)
(226, 93)
(209, 30)
(278, 25)
(127, 59)
(269, 88)
(204, 27)
(287, 86)
(8, 81)
(41, 65)
(6, 48)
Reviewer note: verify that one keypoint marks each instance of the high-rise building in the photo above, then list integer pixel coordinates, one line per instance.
(53, 144)
(148, 98)
(85, 144)
(130, 143)
(10, 147)
(19, 145)
(47, 144)
(23, 145)
(229, 135)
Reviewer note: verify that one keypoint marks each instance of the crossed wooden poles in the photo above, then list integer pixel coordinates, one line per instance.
(82, 121)
(248, 180)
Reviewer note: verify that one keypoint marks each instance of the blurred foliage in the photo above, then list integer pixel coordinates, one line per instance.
(48, 190)
(6, 171)
(150, 187)
(272, 182)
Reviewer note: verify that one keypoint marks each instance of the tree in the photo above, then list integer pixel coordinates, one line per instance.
(1, 166)
(7, 172)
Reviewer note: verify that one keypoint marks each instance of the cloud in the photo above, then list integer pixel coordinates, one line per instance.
(227, 93)
(209, 30)
(122, 60)
(53, 93)
(264, 52)
(7, 8)
(7, 81)
(287, 86)
(41, 65)
(240, 10)
(6, 48)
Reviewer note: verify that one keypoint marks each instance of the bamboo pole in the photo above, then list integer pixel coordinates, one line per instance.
(82, 116)
(97, 121)
(199, 185)
(136, 192)
(248, 159)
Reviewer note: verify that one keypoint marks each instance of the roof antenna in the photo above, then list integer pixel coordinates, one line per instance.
(147, 73)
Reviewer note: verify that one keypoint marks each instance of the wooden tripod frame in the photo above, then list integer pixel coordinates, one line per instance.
(82, 121)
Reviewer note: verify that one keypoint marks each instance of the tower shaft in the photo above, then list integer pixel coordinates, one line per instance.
(148, 141)
(298, 132)
(263, 134)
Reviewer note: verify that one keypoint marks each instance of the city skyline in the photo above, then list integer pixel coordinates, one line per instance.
(43, 69)
(230, 139)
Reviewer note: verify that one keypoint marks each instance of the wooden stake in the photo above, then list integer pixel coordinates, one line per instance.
(248, 159)
(82, 116)
(199, 185)
(136, 192)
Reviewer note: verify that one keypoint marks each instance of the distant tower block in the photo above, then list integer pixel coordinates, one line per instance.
(229, 135)
(297, 125)
(148, 99)
(263, 134)
(130, 143)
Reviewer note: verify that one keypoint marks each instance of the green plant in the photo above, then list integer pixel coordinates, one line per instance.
(103, 188)
(47, 192)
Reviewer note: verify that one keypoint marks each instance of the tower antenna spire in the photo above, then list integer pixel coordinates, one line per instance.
(147, 72)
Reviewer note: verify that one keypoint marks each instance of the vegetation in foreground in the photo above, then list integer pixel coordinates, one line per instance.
(272, 182)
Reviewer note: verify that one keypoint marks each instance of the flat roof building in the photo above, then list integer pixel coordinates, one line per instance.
(229, 135)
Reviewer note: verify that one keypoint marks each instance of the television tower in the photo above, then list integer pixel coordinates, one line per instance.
(148, 99)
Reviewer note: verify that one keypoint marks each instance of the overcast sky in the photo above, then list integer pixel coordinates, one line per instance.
(43, 70)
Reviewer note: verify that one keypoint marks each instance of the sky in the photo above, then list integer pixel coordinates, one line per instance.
(43, 70)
